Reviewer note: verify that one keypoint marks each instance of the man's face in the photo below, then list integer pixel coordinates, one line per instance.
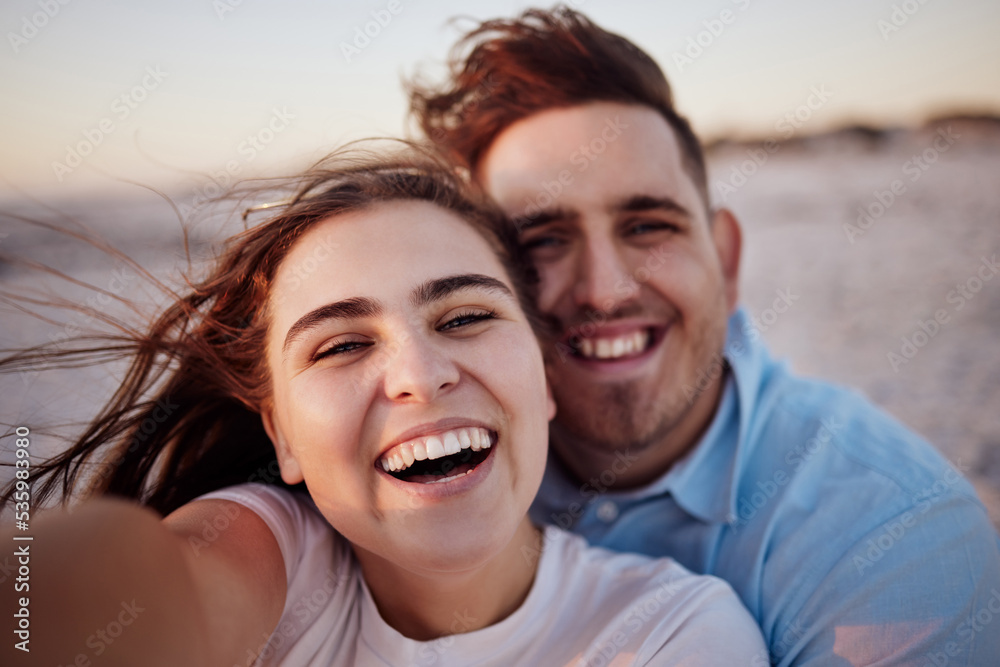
(638, 280)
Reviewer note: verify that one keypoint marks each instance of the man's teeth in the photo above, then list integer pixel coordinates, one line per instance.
(614, 348)
(435, 446)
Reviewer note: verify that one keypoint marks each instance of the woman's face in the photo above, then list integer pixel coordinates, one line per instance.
(408, 388)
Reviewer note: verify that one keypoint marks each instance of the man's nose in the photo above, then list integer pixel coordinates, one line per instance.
(604, 280)
(417, 369)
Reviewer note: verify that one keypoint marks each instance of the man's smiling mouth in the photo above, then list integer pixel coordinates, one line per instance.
(441, 457)
(612, 347)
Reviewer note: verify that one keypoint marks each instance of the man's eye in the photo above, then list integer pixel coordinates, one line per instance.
(651, 226)
(339, 349)
(540, 242)
(465, 319)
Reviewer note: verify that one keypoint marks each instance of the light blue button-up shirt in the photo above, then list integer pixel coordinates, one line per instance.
(850, 539)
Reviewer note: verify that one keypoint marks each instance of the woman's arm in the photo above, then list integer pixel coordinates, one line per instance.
(112, 584)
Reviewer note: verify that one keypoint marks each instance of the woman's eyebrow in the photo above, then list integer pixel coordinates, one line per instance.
(440, 288)
(352, 308)
(362, 306)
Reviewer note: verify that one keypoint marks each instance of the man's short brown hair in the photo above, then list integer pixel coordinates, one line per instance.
(541, 60)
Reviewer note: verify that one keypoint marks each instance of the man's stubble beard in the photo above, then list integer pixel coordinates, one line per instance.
(623, 417)
(615, 418)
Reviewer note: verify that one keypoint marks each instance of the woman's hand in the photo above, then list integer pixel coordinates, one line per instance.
(112, 584)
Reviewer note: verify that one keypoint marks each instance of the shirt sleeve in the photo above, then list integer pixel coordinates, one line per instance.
(319, 622)
(285, 516)
(921, 589)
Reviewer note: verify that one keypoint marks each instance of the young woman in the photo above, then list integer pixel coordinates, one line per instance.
(375, 334)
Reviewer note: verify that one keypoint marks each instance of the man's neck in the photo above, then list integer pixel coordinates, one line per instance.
(631, 466)
(425, 606)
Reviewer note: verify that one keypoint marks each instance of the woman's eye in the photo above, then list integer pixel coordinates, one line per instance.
(340, 348)
(467, 318)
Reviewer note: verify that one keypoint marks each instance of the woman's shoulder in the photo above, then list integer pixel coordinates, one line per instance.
(319, 621)
(656, 606)
(301, 531)
(630, 577)
(268, 501)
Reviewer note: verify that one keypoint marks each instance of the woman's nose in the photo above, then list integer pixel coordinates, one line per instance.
(418, 369)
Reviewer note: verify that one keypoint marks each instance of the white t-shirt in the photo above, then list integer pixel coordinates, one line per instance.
(587, 607)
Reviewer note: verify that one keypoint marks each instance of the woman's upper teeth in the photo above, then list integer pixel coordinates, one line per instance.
(434, 446)
(614, 347)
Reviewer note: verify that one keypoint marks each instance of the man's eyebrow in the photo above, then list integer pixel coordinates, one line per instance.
(638, 203)
(440, 288)
(352, 308)
(544, 217)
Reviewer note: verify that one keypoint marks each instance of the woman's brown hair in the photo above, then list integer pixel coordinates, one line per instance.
(185, 419)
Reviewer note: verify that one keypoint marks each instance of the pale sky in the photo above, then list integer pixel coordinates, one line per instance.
(166, 93)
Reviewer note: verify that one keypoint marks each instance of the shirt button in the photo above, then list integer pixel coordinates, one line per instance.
(607, 511)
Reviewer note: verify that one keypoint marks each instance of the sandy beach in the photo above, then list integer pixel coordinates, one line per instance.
(871, 269)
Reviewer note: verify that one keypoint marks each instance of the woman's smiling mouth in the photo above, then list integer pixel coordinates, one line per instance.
(439, 457)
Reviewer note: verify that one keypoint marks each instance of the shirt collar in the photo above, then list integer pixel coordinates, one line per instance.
(706, 481)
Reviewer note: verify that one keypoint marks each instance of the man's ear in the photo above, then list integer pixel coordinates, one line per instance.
(291, 472)
(728, 239)
(550, 401)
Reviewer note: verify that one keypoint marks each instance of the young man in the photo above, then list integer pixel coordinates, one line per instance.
(850, 539)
